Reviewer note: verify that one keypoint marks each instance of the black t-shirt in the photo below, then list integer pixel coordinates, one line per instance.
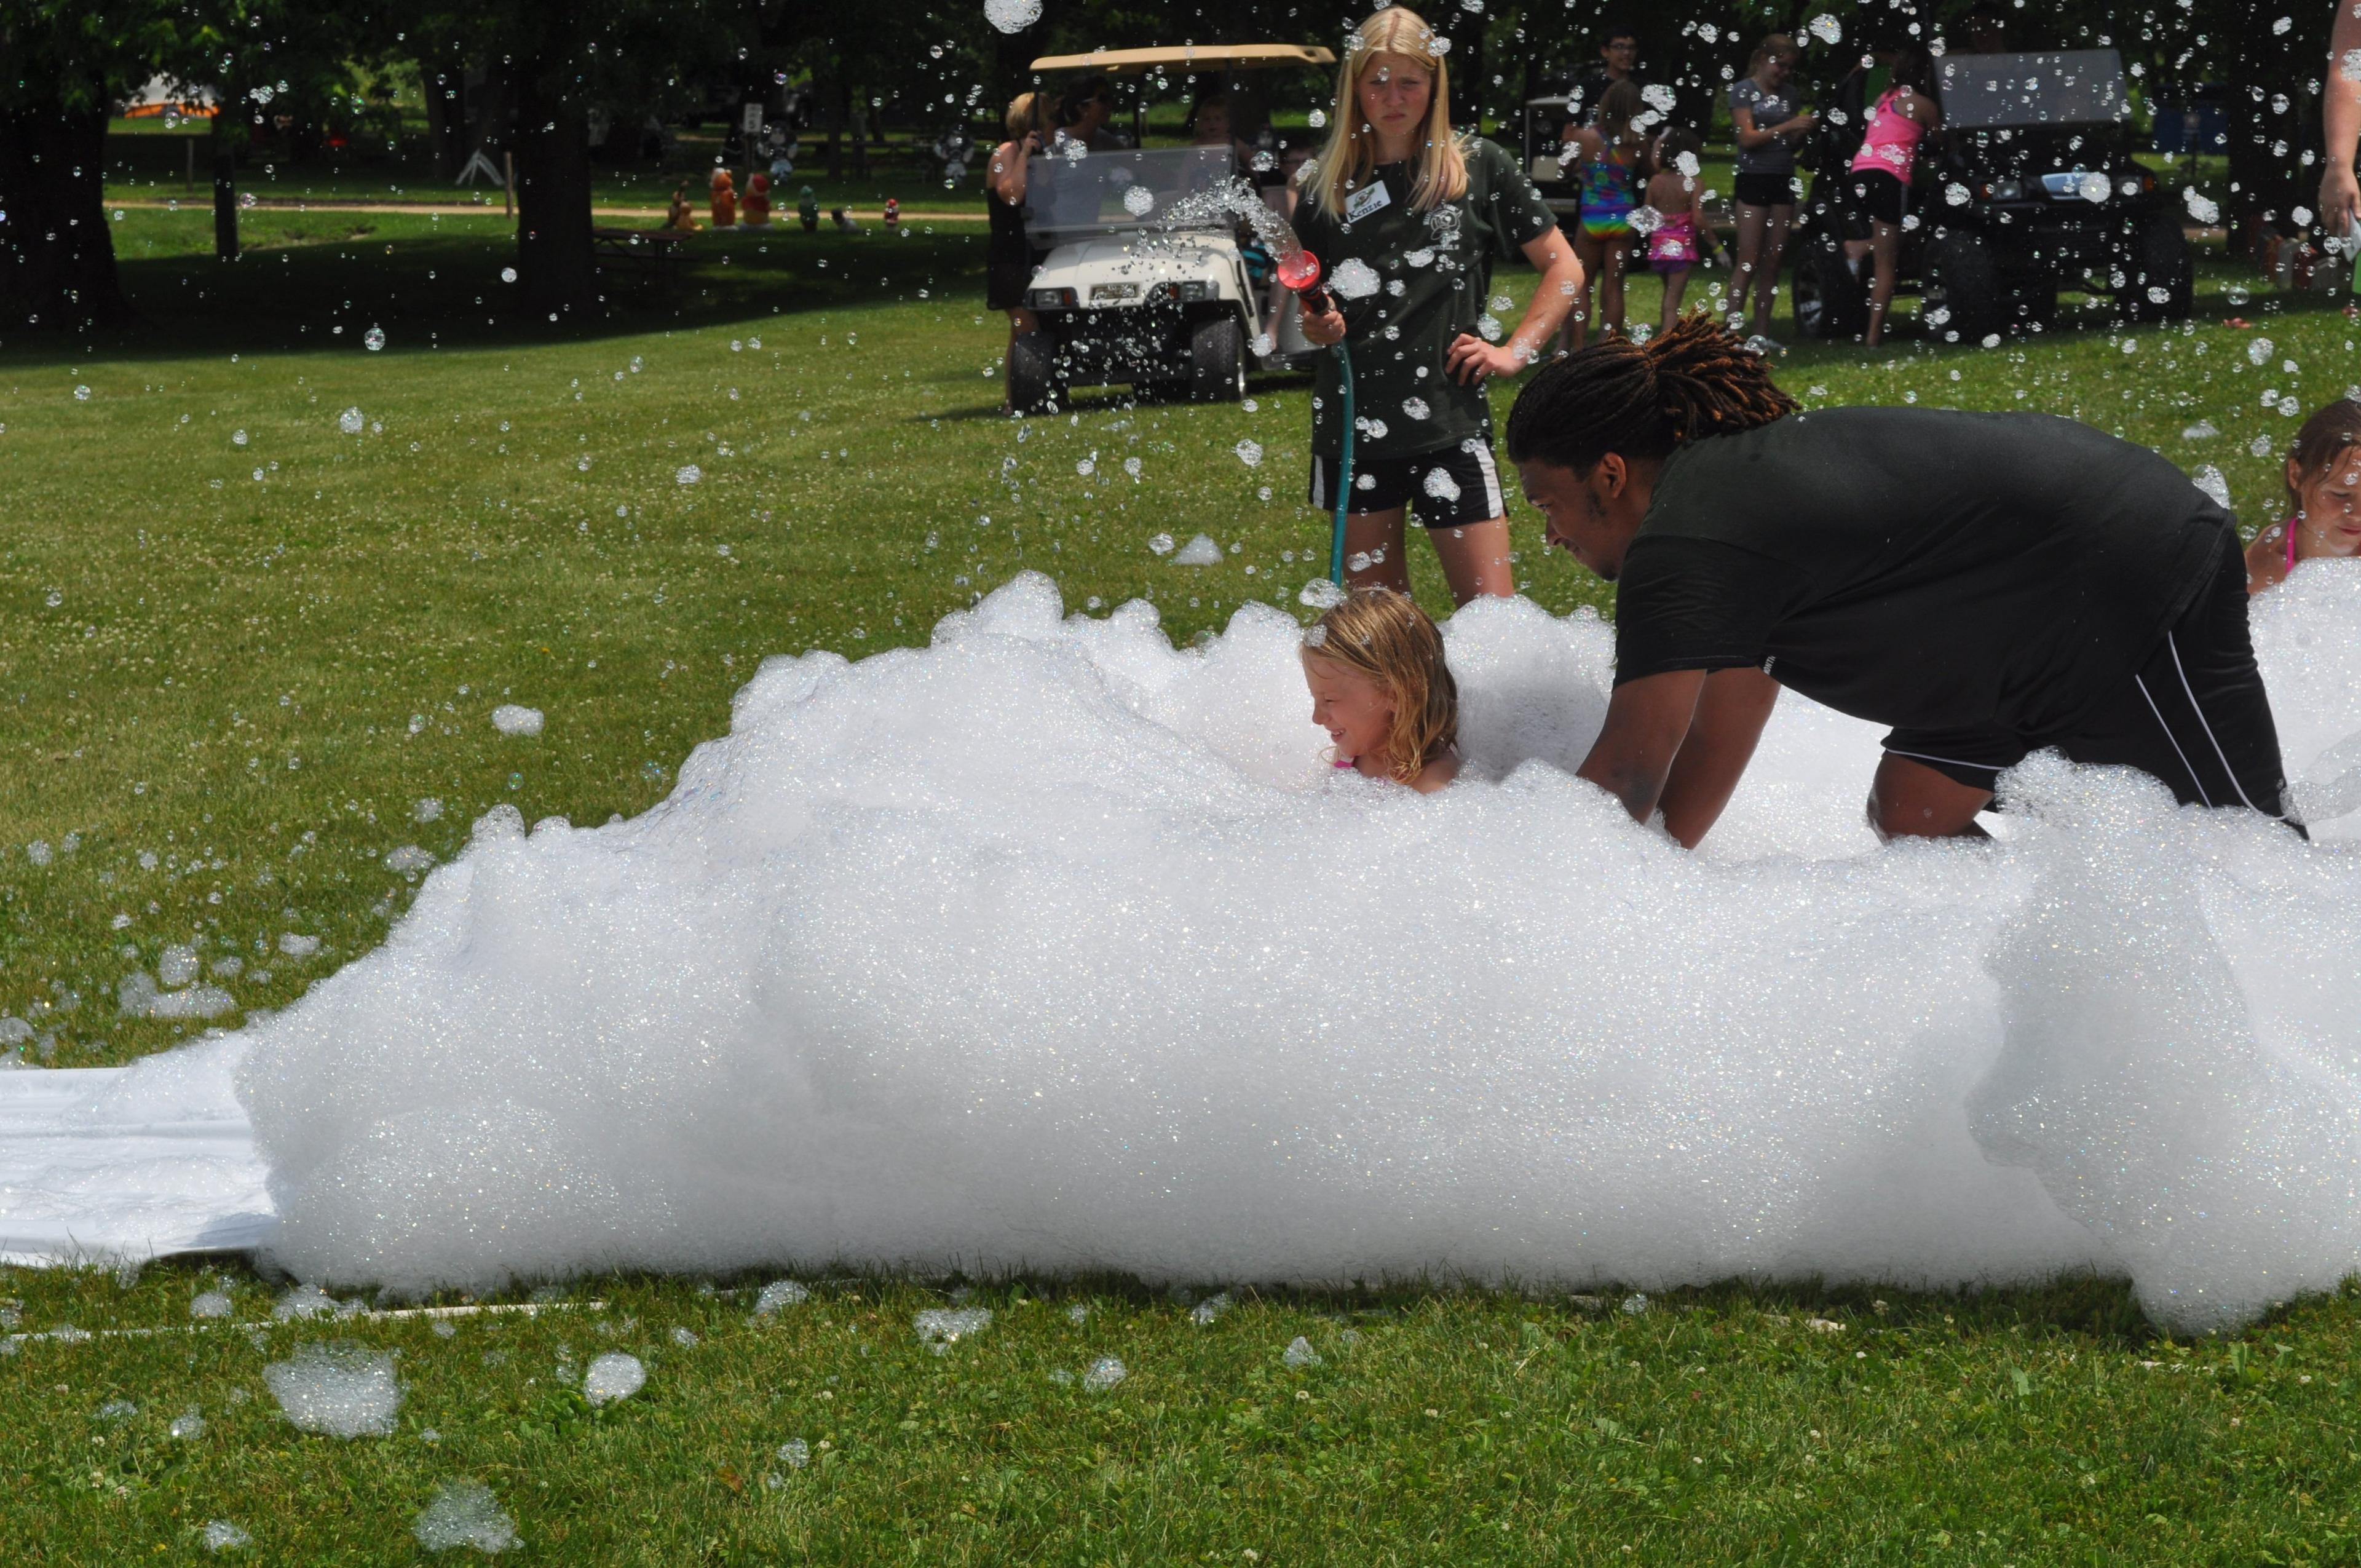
(1409, 284)
(1918, 567)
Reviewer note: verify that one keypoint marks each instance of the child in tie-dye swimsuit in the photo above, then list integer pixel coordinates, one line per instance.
(1611, 151)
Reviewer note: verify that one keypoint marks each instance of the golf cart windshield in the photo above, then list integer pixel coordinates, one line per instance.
(1069, 197)
(2077, 87)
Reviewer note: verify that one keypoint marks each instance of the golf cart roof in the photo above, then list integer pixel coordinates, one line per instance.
(1191, 57)
(2068, 87)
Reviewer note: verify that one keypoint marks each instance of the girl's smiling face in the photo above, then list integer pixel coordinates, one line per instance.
(1358, 712)
(2331, 523)
(1394, 95)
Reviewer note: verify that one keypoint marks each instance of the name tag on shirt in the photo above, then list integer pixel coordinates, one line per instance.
(1369, 199)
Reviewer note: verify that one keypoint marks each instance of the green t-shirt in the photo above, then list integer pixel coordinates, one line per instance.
(1430, 272)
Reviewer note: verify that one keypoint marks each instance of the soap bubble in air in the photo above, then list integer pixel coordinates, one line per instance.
(508, 274)
(373, 339)
(2210, 480)
(1012, 15)
(1827, 28)
(1160, 544)
(1321, 594)
(1249, 453)
(350, 421)
(1139, 201)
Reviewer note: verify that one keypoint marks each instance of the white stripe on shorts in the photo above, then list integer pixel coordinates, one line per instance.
(1495, 504)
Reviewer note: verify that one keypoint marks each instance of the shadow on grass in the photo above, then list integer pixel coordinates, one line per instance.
(447, 292)
(2080, 1305)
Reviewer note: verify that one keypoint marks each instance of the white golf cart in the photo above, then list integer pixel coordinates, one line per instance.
(1145, 283)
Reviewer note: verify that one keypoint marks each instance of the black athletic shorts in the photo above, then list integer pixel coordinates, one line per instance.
(1879, 196)
(1757, 189)
(1449, 488)
(2195, 716)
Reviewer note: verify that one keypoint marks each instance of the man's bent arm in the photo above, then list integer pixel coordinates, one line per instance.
(1731, 714)
(1646, 721)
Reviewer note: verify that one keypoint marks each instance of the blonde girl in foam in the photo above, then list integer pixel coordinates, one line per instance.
(1382, 690)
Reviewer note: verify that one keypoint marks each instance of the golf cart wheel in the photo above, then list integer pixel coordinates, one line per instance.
(1828, 298)
(1032, 374)
(1962, 282)
(2159, 260)
(1218, 369)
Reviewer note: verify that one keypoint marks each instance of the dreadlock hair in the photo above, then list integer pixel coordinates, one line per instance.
(1641, 400)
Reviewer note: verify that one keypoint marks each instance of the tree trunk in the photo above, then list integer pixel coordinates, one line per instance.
(555, 263)
(57, 255)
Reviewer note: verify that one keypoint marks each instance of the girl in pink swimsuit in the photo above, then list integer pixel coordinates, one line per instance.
(2323, 488)
(1676, 198)
(1906, 111)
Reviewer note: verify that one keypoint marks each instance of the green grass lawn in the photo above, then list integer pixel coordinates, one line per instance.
(242, 646)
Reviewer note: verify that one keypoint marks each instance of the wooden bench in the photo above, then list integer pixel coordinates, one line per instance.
(652, 254)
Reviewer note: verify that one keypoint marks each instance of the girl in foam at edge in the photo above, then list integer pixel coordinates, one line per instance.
(2323, 483)
(1381, 688)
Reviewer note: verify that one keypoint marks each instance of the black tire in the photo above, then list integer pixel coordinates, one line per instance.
(2159, 260)
(1217, 370)
(1962, 301)
(1033, 374)
(2033, 304)
(1830, 300)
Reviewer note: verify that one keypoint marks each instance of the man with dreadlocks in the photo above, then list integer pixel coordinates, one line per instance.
(1990, 585)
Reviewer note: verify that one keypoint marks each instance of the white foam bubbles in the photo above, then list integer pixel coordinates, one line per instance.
(340, 1390)
(515, 718)
(465, 1513)
(1051, 947)
(614, 1376)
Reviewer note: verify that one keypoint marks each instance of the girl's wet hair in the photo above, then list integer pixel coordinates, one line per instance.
(1678, 140)
(2329, 434)
(1641, 400)
(1388, 638)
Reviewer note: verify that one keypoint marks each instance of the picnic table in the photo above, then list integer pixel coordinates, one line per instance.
(651, 254)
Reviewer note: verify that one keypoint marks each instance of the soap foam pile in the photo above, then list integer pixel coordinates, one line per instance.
(1051, 947)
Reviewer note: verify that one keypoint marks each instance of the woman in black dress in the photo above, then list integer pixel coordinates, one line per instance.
(1009, 260)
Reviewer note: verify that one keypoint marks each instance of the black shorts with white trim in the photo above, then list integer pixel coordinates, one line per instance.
(2195, 715)
(1449, 488)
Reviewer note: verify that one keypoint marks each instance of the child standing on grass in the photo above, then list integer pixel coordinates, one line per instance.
(1381, 689)
(2323, 485)
(1673, 194)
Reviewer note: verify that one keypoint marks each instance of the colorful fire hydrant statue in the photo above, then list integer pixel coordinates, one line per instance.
(681, 215)
(892, 213)
(757, 213)
(808, 209)
(725, 200)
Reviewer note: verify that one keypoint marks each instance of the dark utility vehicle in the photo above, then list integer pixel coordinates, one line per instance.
(2029, 187)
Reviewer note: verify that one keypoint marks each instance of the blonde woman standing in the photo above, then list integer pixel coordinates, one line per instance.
(1008, 255)
(1407, 217)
